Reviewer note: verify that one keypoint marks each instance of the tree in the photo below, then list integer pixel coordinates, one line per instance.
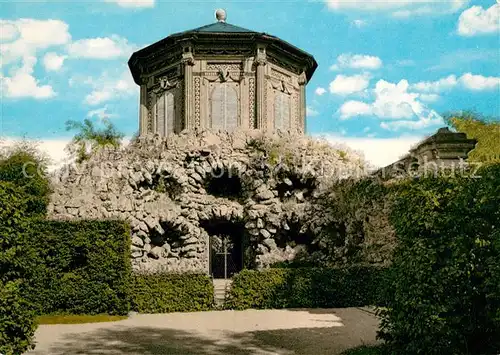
(90, 139)
(485, 130)
(25, 166)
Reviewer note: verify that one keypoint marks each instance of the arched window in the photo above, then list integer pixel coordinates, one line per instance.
(165, 114)
(281, 111)
(224, 107)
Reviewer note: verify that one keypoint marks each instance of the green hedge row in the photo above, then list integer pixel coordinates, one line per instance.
(17, 319)
(443, 294)
(163, 292)
(306, 287)
(83, 267)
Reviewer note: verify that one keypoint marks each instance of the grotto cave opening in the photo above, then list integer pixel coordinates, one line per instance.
(224, 183)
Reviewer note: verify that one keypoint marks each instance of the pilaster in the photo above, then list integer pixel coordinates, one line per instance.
(302, 102)
(143, 111)
(188, 63)
(261, 62)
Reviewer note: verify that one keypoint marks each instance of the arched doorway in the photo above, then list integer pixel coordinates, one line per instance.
(226, 247)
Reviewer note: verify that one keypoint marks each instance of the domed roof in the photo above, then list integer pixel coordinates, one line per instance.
(222, 33)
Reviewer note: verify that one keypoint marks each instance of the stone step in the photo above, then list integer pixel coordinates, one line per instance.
(221, 287)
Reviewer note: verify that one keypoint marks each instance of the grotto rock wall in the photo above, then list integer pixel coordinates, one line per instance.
(173, 191)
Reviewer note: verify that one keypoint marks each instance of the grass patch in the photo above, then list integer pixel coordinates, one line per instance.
(73, 319)
(366, 350)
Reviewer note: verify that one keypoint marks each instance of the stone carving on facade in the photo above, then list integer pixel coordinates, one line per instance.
(223, 75)
(197, 101)
(251, 103)
(296, 112)
(280, 76)
(149, 125)
(302, 79)
(165, 85)
(225, 66)
(281, 86)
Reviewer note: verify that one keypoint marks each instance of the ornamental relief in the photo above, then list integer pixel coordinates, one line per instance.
(296, 119)
(224, 66)
(197, 101)
(280, 76)
(223, 50)
(164, 84)
(151, 98)
(223, 75)
(251, 103)
(281, 86)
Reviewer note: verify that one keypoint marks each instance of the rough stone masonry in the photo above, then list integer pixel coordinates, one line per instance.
(177, 191)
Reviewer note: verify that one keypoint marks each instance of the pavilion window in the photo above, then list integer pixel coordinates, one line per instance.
(282, 111)
(165, 114)
(224, 107)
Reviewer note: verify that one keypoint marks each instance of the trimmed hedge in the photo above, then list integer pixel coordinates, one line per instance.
(17, 320)
(83, 267)
(166, 292)
(306, 288)
(443, 296)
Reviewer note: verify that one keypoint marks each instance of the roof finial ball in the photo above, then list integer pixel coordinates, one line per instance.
(220, 15)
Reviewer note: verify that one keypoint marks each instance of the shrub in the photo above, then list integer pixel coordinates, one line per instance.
(17, 321)
(165, 292)
(443, 294)
(16, 257)
(83, 267)
(306, 287)
(352, 224)
(26, 168)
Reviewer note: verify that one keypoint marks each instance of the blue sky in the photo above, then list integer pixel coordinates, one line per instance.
(387, 70)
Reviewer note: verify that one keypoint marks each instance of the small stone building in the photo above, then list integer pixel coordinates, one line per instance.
(221, 77)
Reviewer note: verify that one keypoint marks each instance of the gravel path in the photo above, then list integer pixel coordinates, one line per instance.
(251, 332)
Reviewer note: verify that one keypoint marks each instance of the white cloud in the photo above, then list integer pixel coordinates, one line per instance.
(479, 82)
(429, 97)
(101, 113)
(320, 91)
(399, 8)
(110, 86)
(53, 62)
(8, 31)
(345, 85)
(354, 108)
(22, 84)
(310, 112)
(357, 61)
(25, 37)
(379, 152)
(395, 103)
(22, 40)
(478, 21)
(101, 48)
(133, 3)
(421, 123)
(467, 81)
(436, 86)
(359, 23)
